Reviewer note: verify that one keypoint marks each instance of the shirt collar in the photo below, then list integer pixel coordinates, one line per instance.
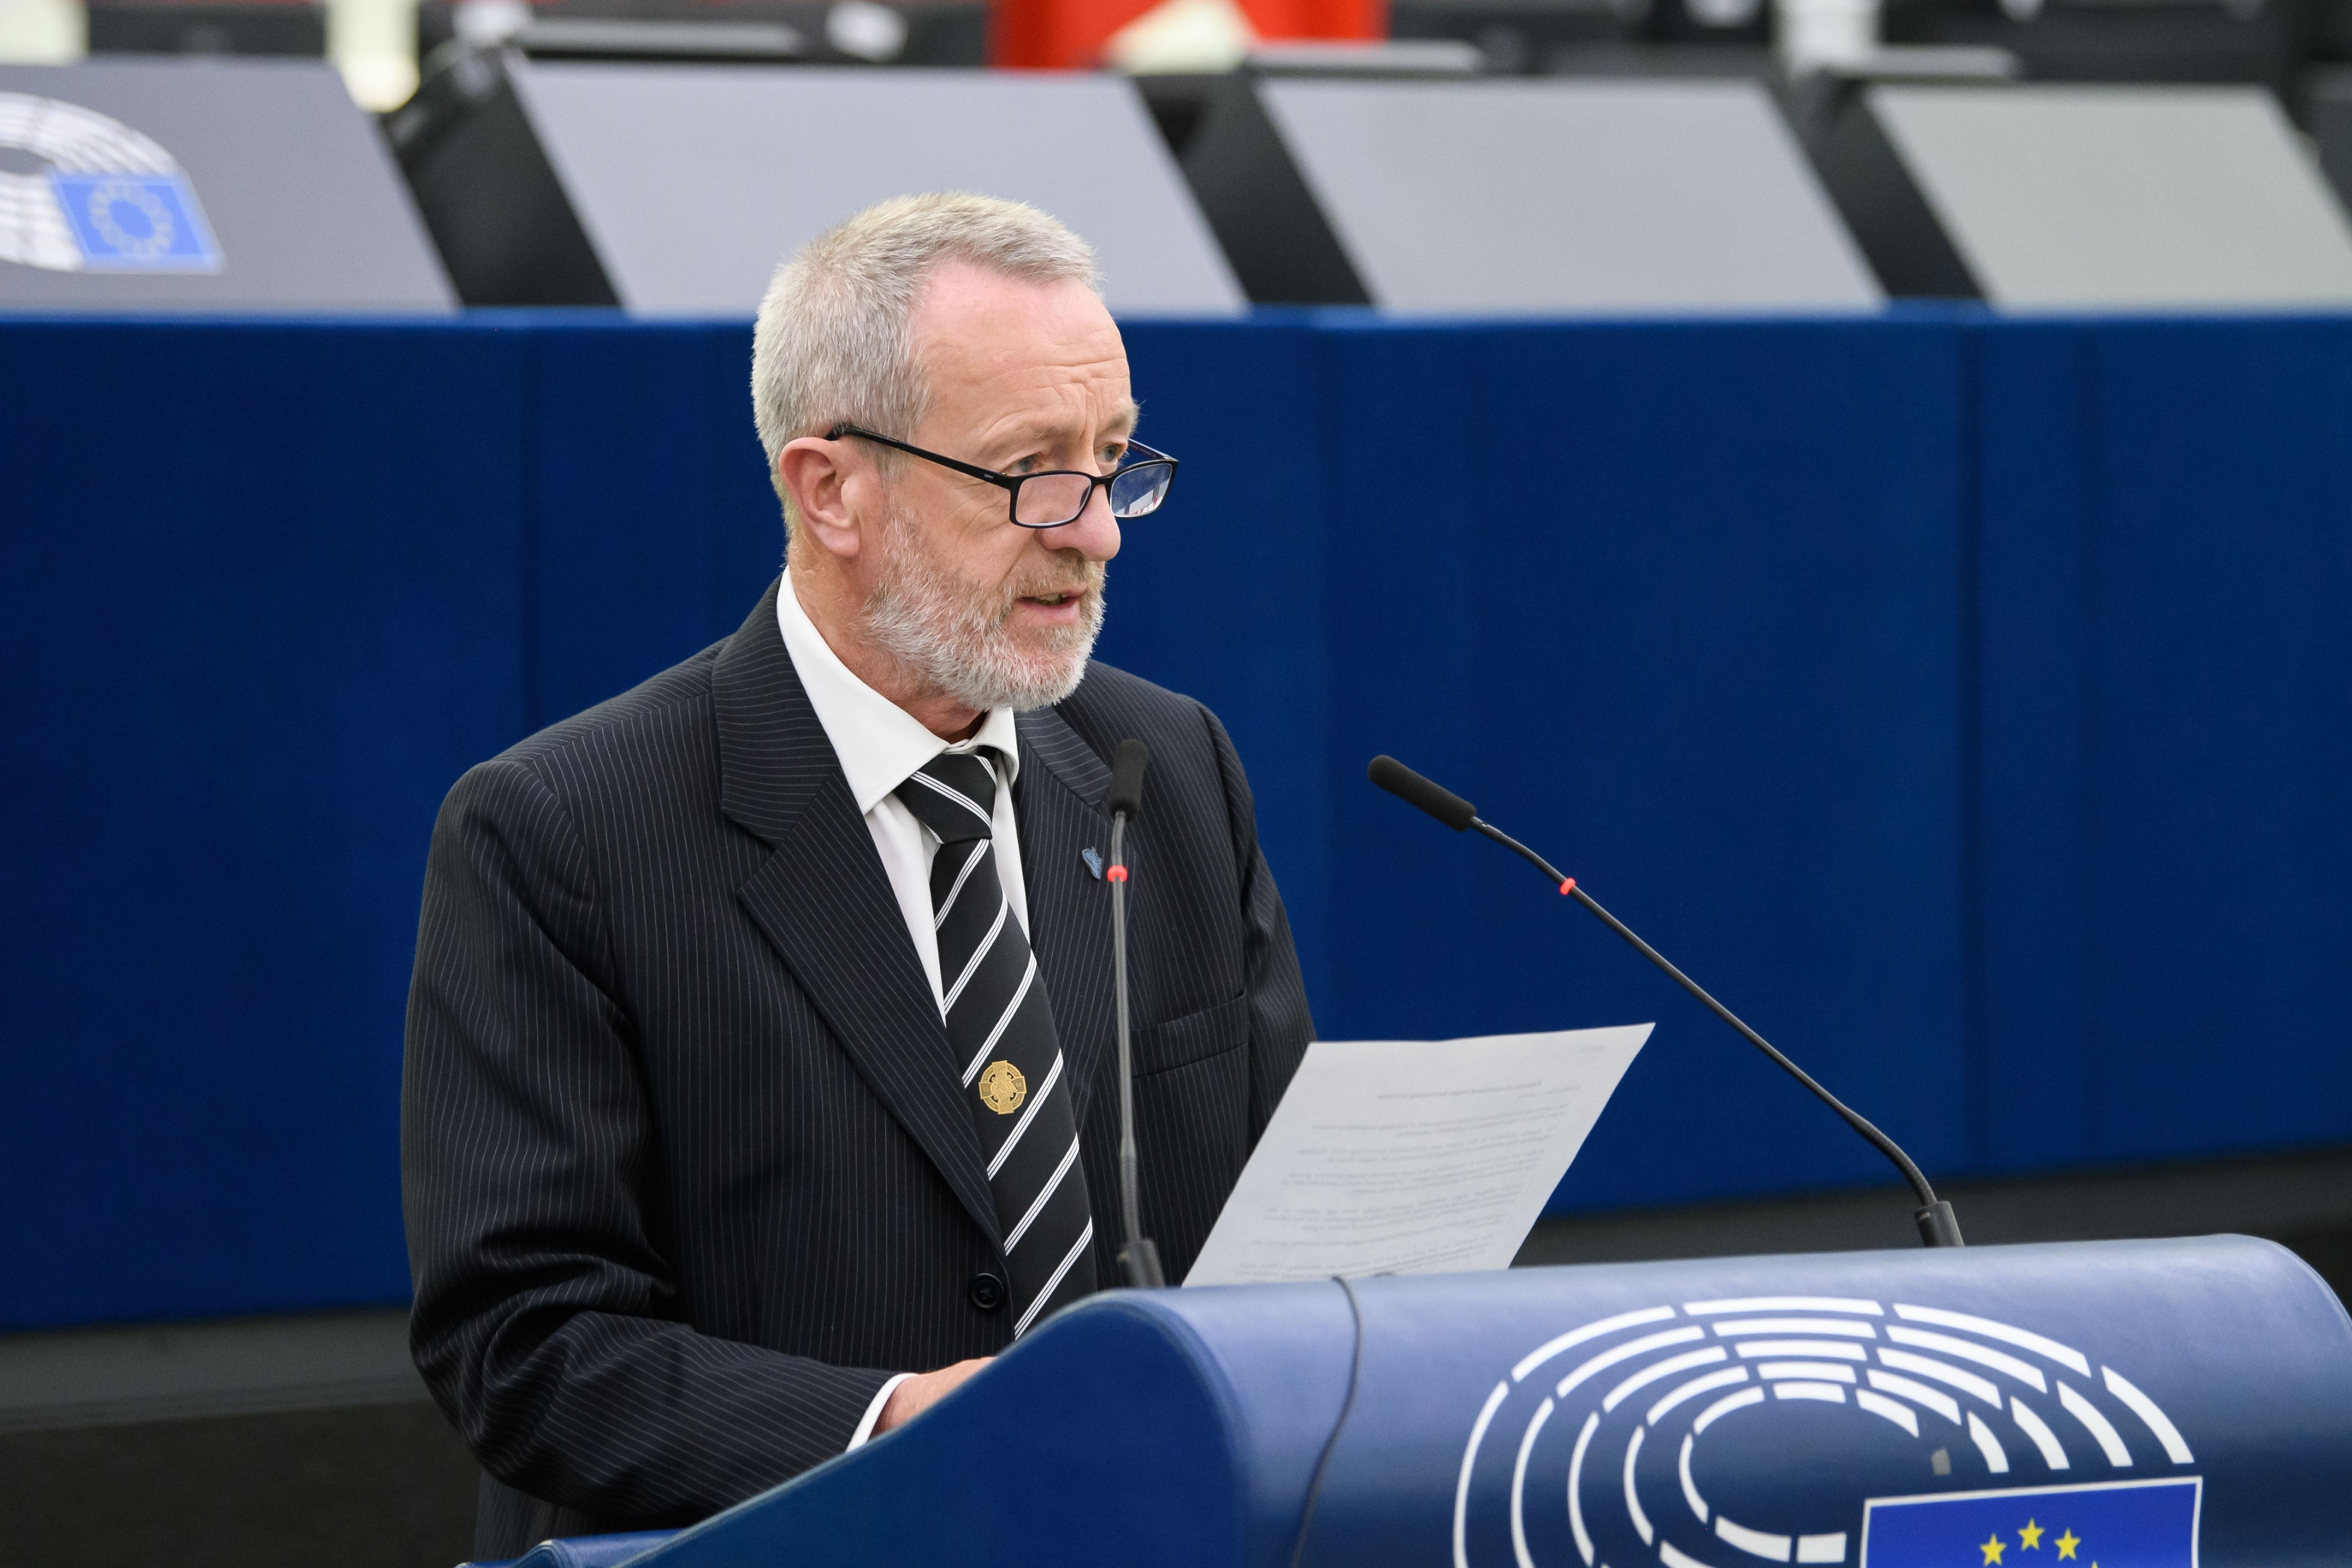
(880, 744)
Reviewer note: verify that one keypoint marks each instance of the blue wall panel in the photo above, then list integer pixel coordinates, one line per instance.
(2222, 552)
(1969, 702)
(1723, 692)
(2167, 645)
(1407, 554)
(1752, 666)
(257, 592)
(2183, 576)
(654, 530)
(1222, 595)
(2034, 1090)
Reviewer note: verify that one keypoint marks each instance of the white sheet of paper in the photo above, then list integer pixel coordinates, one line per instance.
(1414, 1156)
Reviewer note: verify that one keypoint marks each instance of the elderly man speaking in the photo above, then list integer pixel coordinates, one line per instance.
(761, 1079)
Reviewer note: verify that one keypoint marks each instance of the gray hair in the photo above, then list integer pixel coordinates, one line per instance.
(835, 340)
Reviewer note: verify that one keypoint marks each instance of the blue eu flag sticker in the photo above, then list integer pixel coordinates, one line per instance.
(2116, 1524)
(136, 223)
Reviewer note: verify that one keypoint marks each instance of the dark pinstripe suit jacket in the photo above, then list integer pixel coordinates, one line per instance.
(687, 1169)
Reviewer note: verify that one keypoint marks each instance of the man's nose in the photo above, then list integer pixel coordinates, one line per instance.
(1093, 534)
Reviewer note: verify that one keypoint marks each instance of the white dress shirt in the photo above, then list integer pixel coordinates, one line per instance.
(881, 745)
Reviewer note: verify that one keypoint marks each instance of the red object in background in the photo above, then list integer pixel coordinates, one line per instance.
(1069, 34)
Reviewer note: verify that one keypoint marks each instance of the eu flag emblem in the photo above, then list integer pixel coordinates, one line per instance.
(136, 223)
(2114, 1524)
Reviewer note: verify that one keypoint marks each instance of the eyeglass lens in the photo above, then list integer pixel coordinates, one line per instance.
(1049, 500)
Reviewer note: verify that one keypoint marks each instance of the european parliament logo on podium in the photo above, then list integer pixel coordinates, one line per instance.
(2110, 1524)
(1939, 1409)
(1810, 1429)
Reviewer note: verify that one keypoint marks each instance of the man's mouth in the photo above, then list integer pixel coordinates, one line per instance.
(1050, 600)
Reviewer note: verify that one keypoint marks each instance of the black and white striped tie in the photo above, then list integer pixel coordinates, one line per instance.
(1001, 1026)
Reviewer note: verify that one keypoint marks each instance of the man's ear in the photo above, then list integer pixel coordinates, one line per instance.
(826, 480)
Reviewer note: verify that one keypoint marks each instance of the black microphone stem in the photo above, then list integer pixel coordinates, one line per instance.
(1131, 1209)
(1138, 1259)
(1939, 1227)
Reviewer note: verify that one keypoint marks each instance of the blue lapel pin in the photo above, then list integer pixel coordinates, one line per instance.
(1094, 862)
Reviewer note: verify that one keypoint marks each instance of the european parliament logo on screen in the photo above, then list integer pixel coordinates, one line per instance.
(107, 199)
(2116, 1524)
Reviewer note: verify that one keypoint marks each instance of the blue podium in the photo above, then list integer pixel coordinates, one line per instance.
(2127, 1404)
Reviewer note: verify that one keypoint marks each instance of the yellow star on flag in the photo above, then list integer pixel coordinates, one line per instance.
(1992, 1549)
(2030, 1537)
(2066, 1544)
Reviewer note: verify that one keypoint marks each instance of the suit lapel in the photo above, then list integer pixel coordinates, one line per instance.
(823, 901)
(1055, 802)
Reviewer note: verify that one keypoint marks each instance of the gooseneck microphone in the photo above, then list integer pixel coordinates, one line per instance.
(1139, 1261)
(1939, 1227)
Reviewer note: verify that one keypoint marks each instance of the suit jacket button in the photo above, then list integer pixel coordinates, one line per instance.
(987, 1291)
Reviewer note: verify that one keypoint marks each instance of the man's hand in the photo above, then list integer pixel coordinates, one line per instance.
(922, 1391)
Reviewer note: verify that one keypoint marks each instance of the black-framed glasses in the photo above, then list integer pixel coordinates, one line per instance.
(1060, 496)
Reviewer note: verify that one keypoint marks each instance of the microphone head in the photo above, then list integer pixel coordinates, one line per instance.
(1413, 790)
(1126, 792)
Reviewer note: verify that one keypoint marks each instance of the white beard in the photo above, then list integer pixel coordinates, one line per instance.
(951, 636)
